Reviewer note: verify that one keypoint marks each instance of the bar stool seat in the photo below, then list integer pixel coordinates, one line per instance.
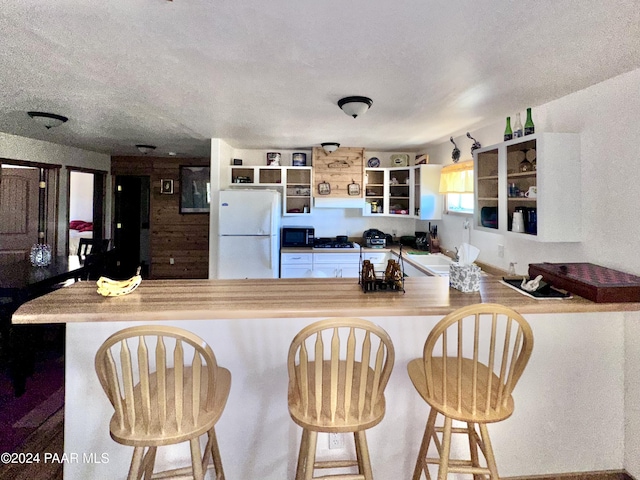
(173, 400)
(472, 360)
(344, 392)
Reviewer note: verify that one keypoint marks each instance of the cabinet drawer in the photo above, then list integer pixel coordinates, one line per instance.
(339, 258)
(296, 258)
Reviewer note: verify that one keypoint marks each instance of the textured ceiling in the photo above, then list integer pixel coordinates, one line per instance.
(268, 74)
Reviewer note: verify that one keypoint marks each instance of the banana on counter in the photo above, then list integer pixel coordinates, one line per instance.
(114, 288)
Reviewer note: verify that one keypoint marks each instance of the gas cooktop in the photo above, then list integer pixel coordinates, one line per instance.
(332, 243)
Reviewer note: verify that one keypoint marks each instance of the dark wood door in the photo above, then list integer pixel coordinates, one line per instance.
(18, 212)
(131, 232)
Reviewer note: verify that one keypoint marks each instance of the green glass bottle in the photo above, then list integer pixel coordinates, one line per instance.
(508, 133)
(529, 128)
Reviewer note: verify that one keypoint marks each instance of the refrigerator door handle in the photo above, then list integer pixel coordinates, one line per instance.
(271, 237)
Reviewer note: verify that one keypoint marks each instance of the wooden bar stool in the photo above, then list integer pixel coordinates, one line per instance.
(338, 370)
(161, 400)
(471, 362)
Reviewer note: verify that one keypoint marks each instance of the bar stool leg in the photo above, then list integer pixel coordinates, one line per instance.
(421, 463)
(491, 459)
(310, 454)
(443, 469)
(364, 461)
(149, 461)
(136, 463)
(215, 453)
(302, 454)
(196, 459)
(473, 447)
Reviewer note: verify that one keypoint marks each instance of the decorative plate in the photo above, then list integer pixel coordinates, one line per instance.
(373, 162)
(400, 159)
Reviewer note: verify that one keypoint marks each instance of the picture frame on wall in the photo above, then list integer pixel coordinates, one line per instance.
(166, 186)
(195, 189)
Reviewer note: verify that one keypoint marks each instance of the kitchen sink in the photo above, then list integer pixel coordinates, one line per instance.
(430, 259)
(435, 263)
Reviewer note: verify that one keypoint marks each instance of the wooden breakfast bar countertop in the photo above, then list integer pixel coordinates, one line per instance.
(283, 298)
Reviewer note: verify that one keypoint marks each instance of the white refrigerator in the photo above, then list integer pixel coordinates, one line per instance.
(249, 234)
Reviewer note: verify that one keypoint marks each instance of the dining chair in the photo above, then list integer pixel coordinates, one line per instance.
(90, 246)
(160, 398)
(472, 361)
(338, 371)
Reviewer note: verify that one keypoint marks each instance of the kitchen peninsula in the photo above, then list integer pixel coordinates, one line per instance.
(576, 369)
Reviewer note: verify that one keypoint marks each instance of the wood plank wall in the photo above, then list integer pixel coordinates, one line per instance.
(185, 238)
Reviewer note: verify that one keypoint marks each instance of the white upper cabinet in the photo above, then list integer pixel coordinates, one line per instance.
(410, 192)
(295, 181)
(537, 178)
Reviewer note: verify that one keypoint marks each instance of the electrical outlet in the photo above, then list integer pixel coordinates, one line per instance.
(336, 441)
(394, 232)
(501, 251)
(171, 261)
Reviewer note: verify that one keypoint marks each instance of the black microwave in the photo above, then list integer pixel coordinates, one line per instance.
(295, 236)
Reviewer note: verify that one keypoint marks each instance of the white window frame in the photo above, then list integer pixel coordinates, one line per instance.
(453, 200)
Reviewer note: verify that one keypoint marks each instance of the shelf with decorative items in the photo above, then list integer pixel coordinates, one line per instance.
(375, 185)
(295, 182)
(410, 192)
(530, 187)
(400, 191)
(298, 196)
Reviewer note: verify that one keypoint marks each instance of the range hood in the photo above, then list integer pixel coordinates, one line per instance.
(340, 202)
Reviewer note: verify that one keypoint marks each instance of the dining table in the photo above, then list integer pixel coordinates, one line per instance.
(20, 282)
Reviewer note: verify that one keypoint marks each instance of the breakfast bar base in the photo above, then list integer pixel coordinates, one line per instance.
(554, 428)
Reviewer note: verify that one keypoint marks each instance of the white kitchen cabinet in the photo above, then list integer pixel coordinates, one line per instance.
(337, 264)
(389, 192)
(410, 192)
(320, 264)
(296, 265)
(549, 162)
(296, 183)
(426, 185)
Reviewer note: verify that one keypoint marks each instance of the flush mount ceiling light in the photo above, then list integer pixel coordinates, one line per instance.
(145, 148)
(49, 120)
(354, 106)
(330, 147)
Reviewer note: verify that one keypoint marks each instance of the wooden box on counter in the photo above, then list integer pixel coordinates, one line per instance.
(593, 282)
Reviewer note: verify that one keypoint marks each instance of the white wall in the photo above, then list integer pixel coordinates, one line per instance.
(606, 116)
(568, 418)
(328, 222)
(81, 196)
(13, 147)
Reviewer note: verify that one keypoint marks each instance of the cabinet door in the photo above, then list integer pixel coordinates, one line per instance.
(400, 191)
(296, 271)
(426, 196)
(297, 197)
(328, 270)
(487, 189)
(375, 192)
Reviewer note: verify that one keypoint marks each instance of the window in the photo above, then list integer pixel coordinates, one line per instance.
(459, 202)
(456, 182)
